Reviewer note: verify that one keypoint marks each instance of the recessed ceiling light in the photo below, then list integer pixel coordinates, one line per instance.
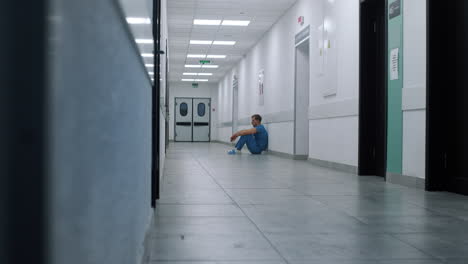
(224, 42)
(151, 73)
(201, 42)
(147, 55)
(138, 20)
(210, 66)
(216, 56)
(196, 56)
(144, 41)
(205, 74)
(190, 73)
(192, 66)
(149, 65)
(201, 80)
(206, 22)
(188, 80)
(242, 23)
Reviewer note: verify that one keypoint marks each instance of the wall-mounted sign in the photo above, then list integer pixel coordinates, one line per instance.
(394, 9)
(394, 64)
(300, 20)
(194, 85)
(205, 62)
(304, 34)
(261, 80)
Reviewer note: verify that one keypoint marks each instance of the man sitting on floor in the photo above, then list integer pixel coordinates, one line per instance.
(256, 138)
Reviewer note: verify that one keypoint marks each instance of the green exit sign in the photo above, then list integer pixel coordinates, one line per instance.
(194, 85)
(205, 62)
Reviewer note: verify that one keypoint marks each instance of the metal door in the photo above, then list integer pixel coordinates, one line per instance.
(201, 119)
(183, 119)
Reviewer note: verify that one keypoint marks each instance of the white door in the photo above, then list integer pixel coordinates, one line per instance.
(235, 103)
(201, 120)
(183, 119)
(301, 105)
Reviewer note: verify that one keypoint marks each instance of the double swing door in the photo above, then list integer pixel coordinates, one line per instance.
(192, 119)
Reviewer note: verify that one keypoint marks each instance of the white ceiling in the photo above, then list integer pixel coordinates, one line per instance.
(181, 13)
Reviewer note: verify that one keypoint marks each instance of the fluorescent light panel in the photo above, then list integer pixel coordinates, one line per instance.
(216, 56)
(147, 55)
(217, 42)
(149, 65)
(151, 73)
(192, 66)
(210, 66)
(215, 22)
(242, 23)
(201, 42)
(207, 22)
(188, 80)
(199, 74)
(144, 41)
(201, 80)
(138, 20)
(201, 56)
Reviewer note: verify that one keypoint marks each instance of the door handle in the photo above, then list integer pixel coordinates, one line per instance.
(183, 123)
(200, 124)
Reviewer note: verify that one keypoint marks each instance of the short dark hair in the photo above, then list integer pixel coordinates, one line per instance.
(257, 117)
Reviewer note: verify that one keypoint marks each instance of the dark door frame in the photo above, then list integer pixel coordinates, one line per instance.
(435, 100)
(23, 132)
(209, 111)
(442, 98)
(369, 150)
(167, 97)
(156, 126)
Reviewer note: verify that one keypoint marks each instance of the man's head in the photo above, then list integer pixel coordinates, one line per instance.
(256, 120)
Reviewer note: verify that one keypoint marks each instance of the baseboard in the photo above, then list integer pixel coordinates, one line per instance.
(147, 245)
(408, 181)
(300, 157)
(334, 165)
(280, 154)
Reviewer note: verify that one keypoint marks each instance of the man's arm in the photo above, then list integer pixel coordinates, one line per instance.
(243, 133)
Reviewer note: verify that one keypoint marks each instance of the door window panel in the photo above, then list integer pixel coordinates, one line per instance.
(183, 109)
(201, 109)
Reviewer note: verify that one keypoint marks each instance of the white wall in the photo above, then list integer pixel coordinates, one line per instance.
(99, 136)
(275, 54)
(333, 119)
(162, 135)
(207, 90)
(414, 88)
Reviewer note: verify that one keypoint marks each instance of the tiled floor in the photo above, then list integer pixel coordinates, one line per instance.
(244, 209)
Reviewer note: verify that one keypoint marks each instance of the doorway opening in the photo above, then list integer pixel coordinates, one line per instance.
(301, 101)
(447, 97)
(192, 119)
(156, 94)
(235, 104)
(372, 89)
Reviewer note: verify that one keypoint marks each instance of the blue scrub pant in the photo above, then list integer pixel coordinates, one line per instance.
(251, 144)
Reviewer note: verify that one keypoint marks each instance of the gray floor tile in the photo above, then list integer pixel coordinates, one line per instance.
(340, 246)
(204, 225)
(198, 210)
(357, 261)
(212, 247)
(262, 196)
(220, 262)
(415, 224)
(194, 196)
(247, 209)
(441, 245)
